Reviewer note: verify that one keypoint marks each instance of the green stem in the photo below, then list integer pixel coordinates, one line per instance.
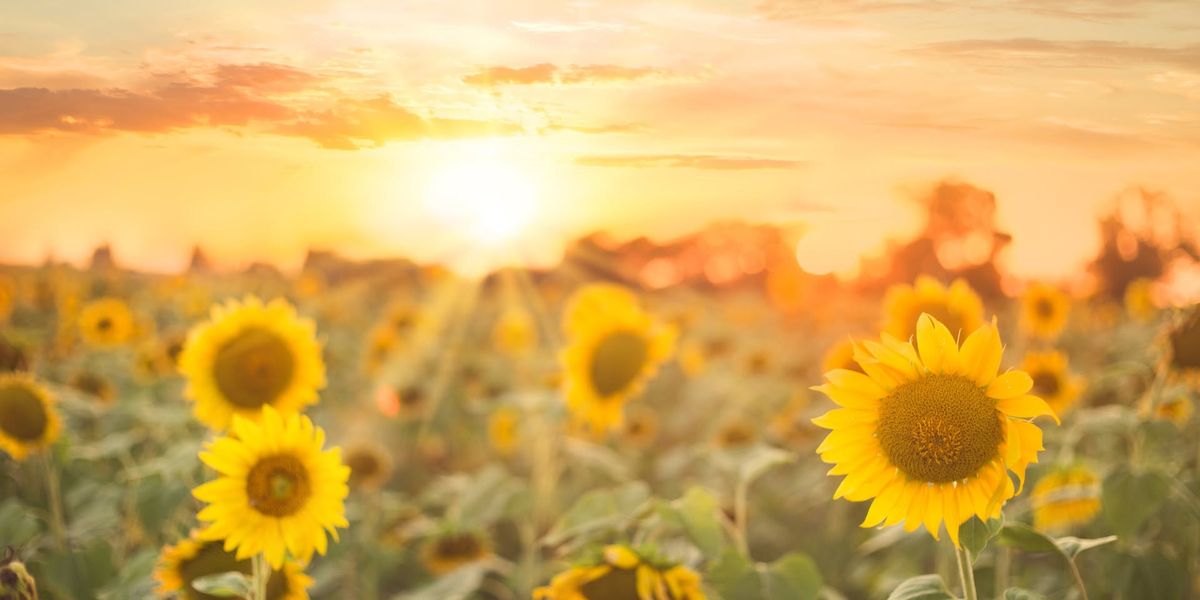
(1078, 580)
(262, 573)
(57, 522)
(966, 574)
(740, 516)
(1003, 567)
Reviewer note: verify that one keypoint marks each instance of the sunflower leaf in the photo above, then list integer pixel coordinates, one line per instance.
(1072, 546)
(230, 584)
(1024, 537)
(1021, 594)
(792, 577)
(974, 534)
(925, 587)
(698, 509)
(1131, 496)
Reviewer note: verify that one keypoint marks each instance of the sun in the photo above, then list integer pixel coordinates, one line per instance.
(486, 199)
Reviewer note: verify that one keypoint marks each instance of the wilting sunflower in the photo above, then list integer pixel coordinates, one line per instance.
(1065, 497)
(370, 465)
(958, 307)
(619, 573)
(15, 581)
(1044, 310)
(515, 332)
(1051, 380)
(1139, 299)
(193, 558)
(448, 551)
(613, 348)
(28, 421)
(106, 322)
(249, 355)
(1182, 349)
(930, 432)
(504, 430)
(277, 492)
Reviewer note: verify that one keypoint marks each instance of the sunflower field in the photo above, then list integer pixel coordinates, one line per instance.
(567, 434)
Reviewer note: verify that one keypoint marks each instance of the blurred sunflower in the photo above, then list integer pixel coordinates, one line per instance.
(640, 428)
(504, 430)
(840, 356)
(1051, 380)
(735, 433)
(757, 363)
(1044, 310)
(179, 565)
(106, 322)
(930, 432)
(958, 307)
(28, 421)
(8, 298)
(691, 359)
(789, 427)
(13, 356)
(1065, 497)
(1182, 345)
(1176, 408)
(370, 466)
(515, 332)
(407, 403)
(249, 355)
(613, 349)
(277, 492)
(621, 573)
(95, 386)
(448, 551)
(1139, 300)
(381, 342)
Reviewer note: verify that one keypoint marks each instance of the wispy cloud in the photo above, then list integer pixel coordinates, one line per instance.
(547, 73)
(1021, 52)
(691, 161)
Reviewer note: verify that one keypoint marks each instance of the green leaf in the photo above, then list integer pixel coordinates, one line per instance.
(792, 577)
(1072, 546)
(17, 525)
(598, 510)
(456, 585)
(925, 587)
(230, 584)
(1024, 537)
(735, 578)
(761, 460)
(486, 497)
(1130, 496)
(1022, 594)
(699, 511)
(975, 533)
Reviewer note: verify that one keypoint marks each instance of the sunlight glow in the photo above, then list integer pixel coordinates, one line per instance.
(487, 200)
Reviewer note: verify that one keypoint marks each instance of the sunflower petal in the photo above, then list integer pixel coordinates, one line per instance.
(1010, 385)
(1026, 407)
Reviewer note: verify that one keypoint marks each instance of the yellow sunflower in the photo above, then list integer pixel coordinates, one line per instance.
(930, 432)
(622, 573)
(840, 356)
(106, 322)
(1065, 497)
(448, 551)
(95, 386)
(691, 359)
(735, 433)
(789, 427)
(28, 421)
(613, 349)
(1044, 310)
(193, 558)
(958, 307)
(504, 431)
(250, 355)
(370, 465)
(1139, 300)
(1182, 349)
(7, 298)
(277, 492)
(1051, 380)
(12, 356)
(1176, 408)
(515, 332)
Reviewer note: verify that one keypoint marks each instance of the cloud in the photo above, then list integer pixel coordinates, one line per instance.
(692, 161)
(1094, 10)
(234, 96)
(571, 27)
(547, 73)
(1020, 52)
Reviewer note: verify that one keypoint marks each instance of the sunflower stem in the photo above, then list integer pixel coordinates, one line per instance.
(740, 515)
(1078, 580)
(966, 573)
(261, 575)
(57, 522)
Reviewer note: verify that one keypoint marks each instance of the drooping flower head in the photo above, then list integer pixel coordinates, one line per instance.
(931, 432)
(1065, 497)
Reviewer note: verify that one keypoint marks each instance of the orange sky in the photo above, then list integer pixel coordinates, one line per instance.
(258, 132)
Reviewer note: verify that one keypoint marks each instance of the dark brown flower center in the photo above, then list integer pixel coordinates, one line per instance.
(617, 361)
(278, 485)
(1044, 308)
(460, 546)
(22, 414)
(1046, 384)
(617, 584)
(104, 324)
(254, 368)
(939, 428)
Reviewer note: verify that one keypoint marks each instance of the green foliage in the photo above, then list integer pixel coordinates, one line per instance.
(924, 587)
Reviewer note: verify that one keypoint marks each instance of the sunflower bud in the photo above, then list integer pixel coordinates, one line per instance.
(15, 581)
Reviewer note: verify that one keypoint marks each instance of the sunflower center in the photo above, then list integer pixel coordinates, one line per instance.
(939, 310)
(617, 360)
(1046, 384)
(616, 584)
(458, 546)
(939, 428)
(411, 397)
(22, 415)
(253, 368)
(363, 464)
(1185, 343)
(104, 324)
(278, 485)
(1044, 308)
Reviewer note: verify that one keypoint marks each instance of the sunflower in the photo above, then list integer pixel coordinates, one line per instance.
(407, 403)
(958, 307)
(13, 356)
(1139, 300)
(1176, 408)
(757, 363)
(515, 332)
(95, 386)
(691, 359)
(735, 433)
(1051, 380)
(370, 466)
(930, 432)
(381, 342)
(789, 427)
(504, 430)
(277, 491)
(620, 573)
(1065, 497)
(840, 356)
(193, 558)
(1182, 344)
(1044, 310)
(250, 355)
(7, 298)
(28, 421)
(106, 322)
(640, 428)
(613, 349)
(448, 551)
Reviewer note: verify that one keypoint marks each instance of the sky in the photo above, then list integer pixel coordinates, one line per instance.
(441, 129)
